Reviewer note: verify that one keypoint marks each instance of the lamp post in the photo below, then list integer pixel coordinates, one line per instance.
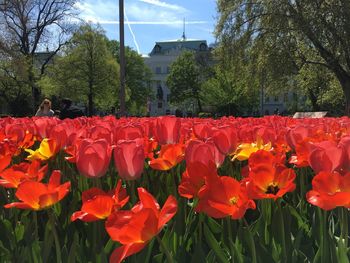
(122, 110)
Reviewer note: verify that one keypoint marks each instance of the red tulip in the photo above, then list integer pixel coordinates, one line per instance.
(167, 130)
(5, 161)
(128, 132)
(93, 157)
(129, 158)
(194, 178)
(206, 153)
(202, 130)
(135, 228)
(330, 190)
(98, 204)
(224, 196)
(326, 156)
(301, 158)
(268, 177)
(296, 135)
(169, 156)
(226, 139)
(37, 196)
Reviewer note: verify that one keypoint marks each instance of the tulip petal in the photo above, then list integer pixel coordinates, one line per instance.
(83, 216)
(120, 253)
(147, 200)
(168, 211)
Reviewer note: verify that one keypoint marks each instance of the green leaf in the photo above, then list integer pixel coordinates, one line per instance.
(198, 254)
(213, 244)
(109, 246)
(36, 252)
(214, 226)
(19, 232)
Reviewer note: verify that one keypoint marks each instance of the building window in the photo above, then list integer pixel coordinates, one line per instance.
(160, 105)
(158, 70)
(202, 47)
(157, 49)
(160, 93)
(267, 98)
(285, 97)
(276, 98)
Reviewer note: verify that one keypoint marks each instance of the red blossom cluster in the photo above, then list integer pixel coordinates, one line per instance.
(270, 150)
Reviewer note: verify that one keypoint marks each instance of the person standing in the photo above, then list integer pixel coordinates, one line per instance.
(68, 110)
(45, 109)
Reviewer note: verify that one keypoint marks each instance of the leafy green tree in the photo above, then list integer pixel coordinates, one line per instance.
(86, 72)
(285, 35)
(184, 80)
(14, 89)
(26, 28)
(137, 78)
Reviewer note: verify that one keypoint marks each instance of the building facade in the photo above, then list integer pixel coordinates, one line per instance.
(159, 61)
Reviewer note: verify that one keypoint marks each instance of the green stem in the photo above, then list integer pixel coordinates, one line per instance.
(35, 220)
(230, 239)
(166, 251)
(55, 235)
(323, 230)
(282, 233)
(344, 226)
(251, 242)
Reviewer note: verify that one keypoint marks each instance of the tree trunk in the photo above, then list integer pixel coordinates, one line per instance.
(346, 90)
(313, 99)
(32, 84)
(91, 106)
(199, 105)
(344, 80)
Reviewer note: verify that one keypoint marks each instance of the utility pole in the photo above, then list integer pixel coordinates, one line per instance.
(122, 110)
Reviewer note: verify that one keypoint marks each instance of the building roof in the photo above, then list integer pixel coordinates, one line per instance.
(164, 47)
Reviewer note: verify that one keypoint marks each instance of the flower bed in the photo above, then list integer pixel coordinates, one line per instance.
(166, 189)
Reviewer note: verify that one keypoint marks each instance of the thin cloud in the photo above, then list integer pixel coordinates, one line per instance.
(165, 5)
(177, 22)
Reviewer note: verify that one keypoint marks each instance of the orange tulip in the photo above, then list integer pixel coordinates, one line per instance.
(330, 190)
(98, 204)
(38, 196)
(22, 172)
(135, 228)
(169, 156)
(268, 177)
(224, 196)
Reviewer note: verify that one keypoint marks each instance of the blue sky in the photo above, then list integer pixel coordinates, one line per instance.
(153, 20)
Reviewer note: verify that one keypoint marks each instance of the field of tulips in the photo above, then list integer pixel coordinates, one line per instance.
(166, 189)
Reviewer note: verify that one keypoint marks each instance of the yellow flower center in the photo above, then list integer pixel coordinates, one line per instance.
(233, 200)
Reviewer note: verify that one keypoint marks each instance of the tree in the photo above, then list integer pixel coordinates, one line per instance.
(305, 32)
(137, 78)
(86, 72)
(184, 80)
(28, 26)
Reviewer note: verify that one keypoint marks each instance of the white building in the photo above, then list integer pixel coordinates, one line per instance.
(159, 61)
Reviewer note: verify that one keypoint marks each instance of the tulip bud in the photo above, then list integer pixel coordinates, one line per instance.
(129, 157)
